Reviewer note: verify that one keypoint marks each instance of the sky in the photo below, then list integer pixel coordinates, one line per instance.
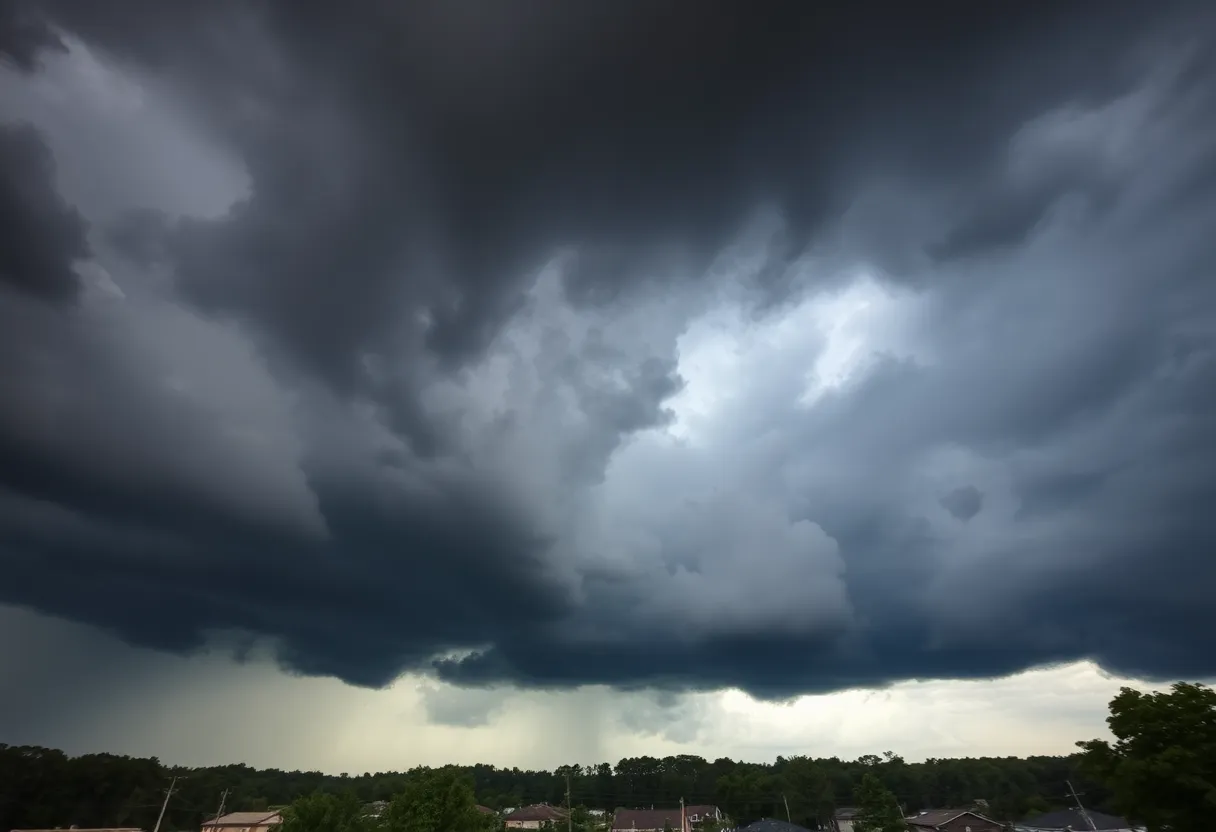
(411, 383)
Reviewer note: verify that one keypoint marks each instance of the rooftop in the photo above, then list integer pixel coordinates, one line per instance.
(246, 819)
(541, 811)
(1072, 817)
(937, 817)
(646, 818)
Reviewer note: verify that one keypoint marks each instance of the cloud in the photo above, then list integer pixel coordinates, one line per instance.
(43, 236)
(633, 348)
(24, 34)
(963, 502)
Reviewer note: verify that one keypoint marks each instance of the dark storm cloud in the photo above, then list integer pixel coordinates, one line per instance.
(40, 235)
(964, 502)
(24, 34)
(295, 436)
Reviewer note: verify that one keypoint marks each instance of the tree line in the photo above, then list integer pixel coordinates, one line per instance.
(43, 788)
(1165, 746)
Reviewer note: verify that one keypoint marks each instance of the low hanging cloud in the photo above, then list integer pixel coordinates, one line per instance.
(674, 345)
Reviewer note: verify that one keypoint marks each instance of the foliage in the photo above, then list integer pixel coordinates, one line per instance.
(321, 812)
(878, 809)
(42, 788)
(439, 800)
(1162, 766)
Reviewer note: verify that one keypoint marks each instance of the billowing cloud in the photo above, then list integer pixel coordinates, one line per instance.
(43, 237)
(641, 346)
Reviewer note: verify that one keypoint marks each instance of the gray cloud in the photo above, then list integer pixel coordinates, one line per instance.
(504, 351)
(42, 236)
(24, 35)
(963, 502)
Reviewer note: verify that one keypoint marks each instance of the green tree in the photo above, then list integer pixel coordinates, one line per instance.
(438, 800)
(1162, 766)
(878, 810)
(320, 812)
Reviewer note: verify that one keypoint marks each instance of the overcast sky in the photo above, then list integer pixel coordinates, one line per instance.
(385, 382)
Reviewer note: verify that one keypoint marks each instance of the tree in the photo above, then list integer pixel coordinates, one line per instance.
(878, 810)
(1162, 767)
(438, 800)
(319, 812)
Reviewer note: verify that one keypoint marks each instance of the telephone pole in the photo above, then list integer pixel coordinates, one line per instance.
(223, 803)
(165, 805)
(1089, 822)
(683, 816)
(569, 808)
(787, 808)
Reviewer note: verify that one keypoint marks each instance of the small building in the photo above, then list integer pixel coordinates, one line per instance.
(842, 819)
(953, 820)
(1073, 819)
(650, 820)
(91, 829)
(697, 815)
(534, 817)
(772, 825)
(486, 810)
(244, 822)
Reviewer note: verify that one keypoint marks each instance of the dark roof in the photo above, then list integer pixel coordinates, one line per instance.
(1072, 817)
(486, 810)
(846, 813)
(541, 811)
(246, 819)
(646, 818)
(936, 817)
(770, 825)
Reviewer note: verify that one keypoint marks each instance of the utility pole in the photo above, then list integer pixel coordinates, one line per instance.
(683, 816)
(1089, 822)
(569, 808)
(787, 808)
(165, 805)
(223, 803)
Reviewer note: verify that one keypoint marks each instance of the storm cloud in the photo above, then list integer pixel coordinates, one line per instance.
(656, 345)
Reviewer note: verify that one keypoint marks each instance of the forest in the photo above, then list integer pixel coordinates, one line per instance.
(1161, 769)
(43, 788)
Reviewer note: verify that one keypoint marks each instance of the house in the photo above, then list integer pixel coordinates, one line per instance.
(697, 815)
(79, 829)
(534, 817)
(953, 820)
(650, 820)
(842, 819)
(485, 810)
(1073, 819)
(770, 825)
(244, 822)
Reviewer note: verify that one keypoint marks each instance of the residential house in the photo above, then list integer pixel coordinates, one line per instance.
(486, 810)
(770, 825)
(534, 817)
(842, 819)
(698, 815)
(244, 822)
(953, 820)
(650, 820)
(79, 829)
(1073, 819)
